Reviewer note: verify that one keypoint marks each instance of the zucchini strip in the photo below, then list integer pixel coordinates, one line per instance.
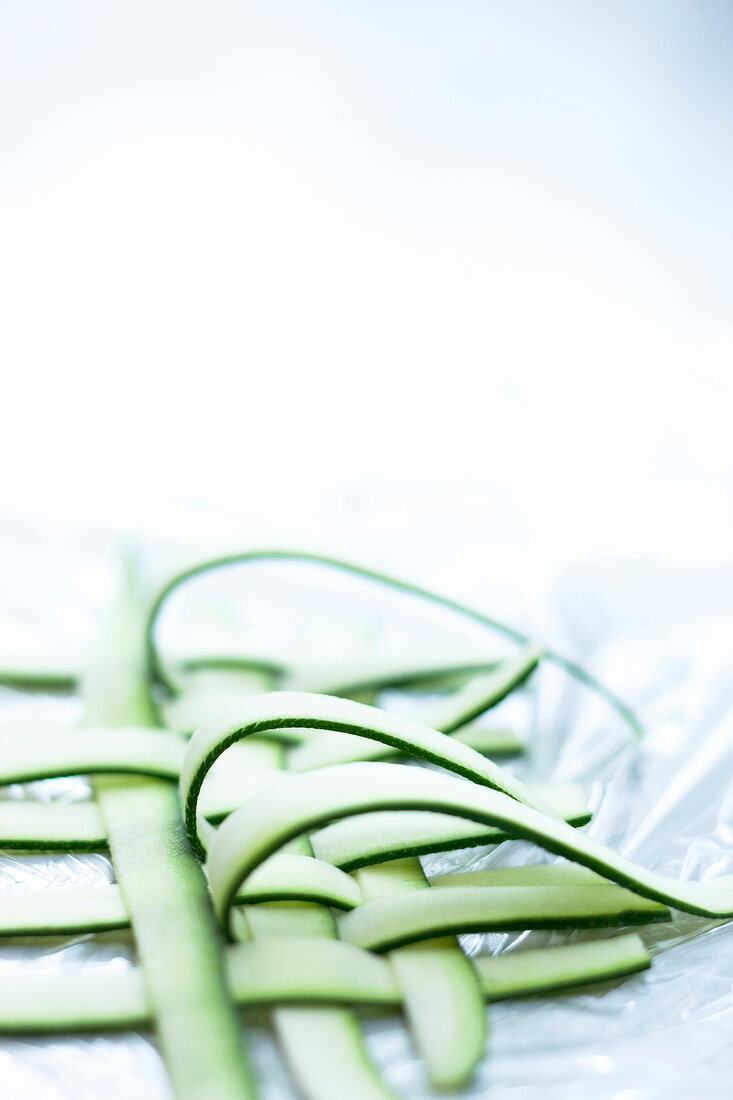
(326, 1051)
(490, 742)
(293, 877)
(482, 692)
(530, 874)
(326, 712)
(302, 802)
(161, 883)
(389, 922)
(35, 674)
(442, 1000)
(280, 972)
(327, 748)
(446, 715)
(54, 912)
(288, 969)
(165, 892)
(51, 826)
(529, 973)
(124, 751)
(85, 1000)
(376, 674)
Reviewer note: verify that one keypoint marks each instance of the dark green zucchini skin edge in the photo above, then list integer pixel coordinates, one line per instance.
(157, 678)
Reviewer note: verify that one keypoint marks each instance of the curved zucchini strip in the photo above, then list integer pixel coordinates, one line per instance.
(482, 692)
(223, 662)
(341, 748)
(52, 826)
(288, 877)
(391, 834)
(389, 922)
(326, 712)
(300, 803)
(130, 750)
(157, 675)
(280, 971)
(375, 674)
(446, 715)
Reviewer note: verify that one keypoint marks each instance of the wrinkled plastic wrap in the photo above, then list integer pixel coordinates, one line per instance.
(667, 802)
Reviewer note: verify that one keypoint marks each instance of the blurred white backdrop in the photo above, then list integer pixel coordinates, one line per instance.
(395, 279)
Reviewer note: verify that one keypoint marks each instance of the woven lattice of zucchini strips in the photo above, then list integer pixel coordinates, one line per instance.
(391, 946)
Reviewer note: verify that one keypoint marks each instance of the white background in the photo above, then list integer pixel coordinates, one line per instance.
(417, 281)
